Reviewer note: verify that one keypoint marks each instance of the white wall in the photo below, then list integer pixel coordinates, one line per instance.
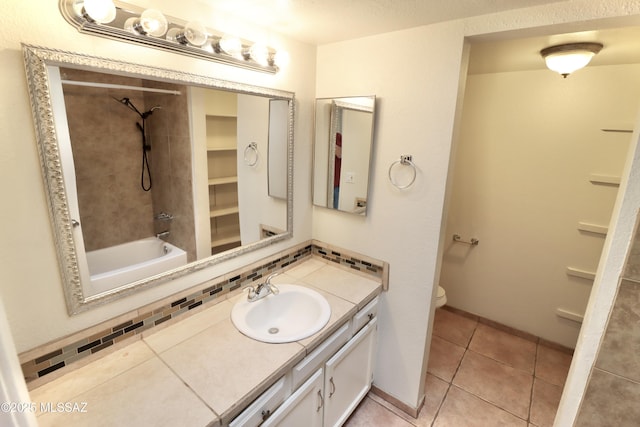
(31, 286)
(256, 206)
(401, 227)
(529, 142)
(415, 76)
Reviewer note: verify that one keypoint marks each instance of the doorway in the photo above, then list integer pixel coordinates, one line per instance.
(535, 181)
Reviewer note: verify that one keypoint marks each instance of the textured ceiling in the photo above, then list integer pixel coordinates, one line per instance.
(326, 21)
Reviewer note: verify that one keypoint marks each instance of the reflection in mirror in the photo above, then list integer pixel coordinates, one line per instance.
(277, 148)
(144, 171)
(342, 152)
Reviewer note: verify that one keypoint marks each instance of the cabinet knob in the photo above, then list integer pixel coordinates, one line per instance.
(266, 414)
(333, 387)
(370, 315)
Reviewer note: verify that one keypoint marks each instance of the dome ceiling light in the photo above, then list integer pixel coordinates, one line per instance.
(567, 58)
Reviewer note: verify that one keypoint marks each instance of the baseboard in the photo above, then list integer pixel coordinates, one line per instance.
(413, 412)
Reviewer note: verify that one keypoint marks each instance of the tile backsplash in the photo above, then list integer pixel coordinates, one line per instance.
(39, 363)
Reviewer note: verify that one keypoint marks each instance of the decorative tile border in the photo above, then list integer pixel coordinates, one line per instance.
(37, 367)
(347, 260)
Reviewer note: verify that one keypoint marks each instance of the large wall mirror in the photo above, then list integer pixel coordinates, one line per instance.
(152, 174)
(342, 152)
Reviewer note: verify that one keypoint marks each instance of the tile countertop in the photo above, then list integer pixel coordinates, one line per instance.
(199, 371)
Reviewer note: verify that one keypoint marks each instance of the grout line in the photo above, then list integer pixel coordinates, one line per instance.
(533, 381)
(466, 348)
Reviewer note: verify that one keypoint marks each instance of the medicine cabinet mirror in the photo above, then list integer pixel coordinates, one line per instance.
(160, 168)
(342, 152)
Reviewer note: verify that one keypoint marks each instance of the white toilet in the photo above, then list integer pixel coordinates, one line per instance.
(441, 299)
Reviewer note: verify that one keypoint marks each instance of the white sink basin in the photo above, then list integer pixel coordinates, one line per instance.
(291, 315)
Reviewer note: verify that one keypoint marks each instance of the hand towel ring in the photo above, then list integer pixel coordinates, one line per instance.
(404, 160)
(251, 154)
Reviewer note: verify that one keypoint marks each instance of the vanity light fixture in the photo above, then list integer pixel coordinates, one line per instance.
(567, 58)
(125, 22)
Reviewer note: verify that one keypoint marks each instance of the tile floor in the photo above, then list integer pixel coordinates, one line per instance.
(481, 376)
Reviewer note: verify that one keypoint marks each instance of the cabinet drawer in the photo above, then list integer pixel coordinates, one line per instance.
(263, 406)
(317, 357)
(365, 315)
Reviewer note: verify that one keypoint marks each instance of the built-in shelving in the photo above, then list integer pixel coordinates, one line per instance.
(221, 121)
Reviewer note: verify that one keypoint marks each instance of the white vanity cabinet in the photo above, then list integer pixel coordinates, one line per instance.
(337, 385)
(304, 407)
(348, 376)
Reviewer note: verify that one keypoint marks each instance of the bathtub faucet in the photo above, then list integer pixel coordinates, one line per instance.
(163, 216)
(163, 234)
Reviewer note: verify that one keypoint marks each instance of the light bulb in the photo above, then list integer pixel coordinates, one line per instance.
(195, 33)
(281, 58)
(100, 11)
(231, 45)
(259, 53)
(153, 22)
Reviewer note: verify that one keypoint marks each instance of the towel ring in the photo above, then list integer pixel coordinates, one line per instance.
(251, 154)
(404, 160)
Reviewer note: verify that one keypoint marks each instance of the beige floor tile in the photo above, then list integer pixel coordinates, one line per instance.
(435, 390)
(552, 365)
(544, 403)
(444, 358)
(370, 413)
(462, 409)
(514, 351)
(502, 385)
(453, 327)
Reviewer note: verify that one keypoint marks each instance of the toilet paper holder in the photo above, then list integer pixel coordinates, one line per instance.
(471, 242)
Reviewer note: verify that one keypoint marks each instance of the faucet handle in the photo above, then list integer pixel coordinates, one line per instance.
(251, 292)
(274, 289)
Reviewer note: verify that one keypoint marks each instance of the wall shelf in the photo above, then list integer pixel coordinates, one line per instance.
(219, 211)
(566, 314)
(223, 180)
(226, 238)
(593, 228)
(599, 179)
(583, 274)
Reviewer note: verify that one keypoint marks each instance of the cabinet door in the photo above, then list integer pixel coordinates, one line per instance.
(303, 408)
(348, 376)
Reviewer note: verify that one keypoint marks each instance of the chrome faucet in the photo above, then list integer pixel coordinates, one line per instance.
(263, 289)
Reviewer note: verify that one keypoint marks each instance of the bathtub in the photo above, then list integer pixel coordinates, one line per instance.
(112, 267)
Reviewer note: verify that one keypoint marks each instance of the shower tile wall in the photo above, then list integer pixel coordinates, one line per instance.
(171, 165)
(107, 154)
(614, 385)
